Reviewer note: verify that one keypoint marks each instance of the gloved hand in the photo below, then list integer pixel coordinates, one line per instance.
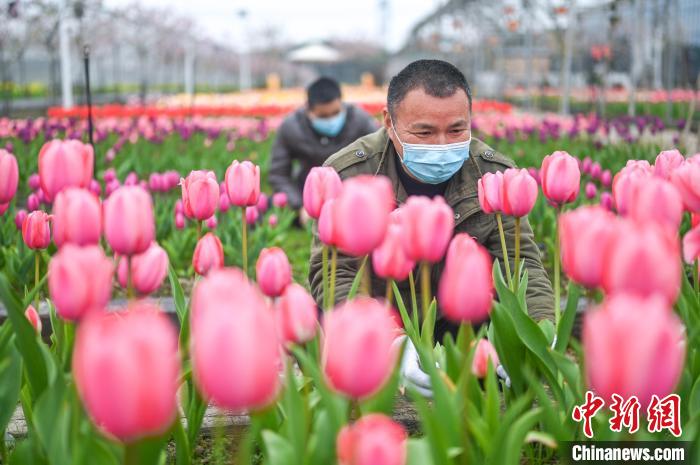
(410, 371)
(501, 373)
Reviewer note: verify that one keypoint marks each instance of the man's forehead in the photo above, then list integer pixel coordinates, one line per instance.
(418, 107)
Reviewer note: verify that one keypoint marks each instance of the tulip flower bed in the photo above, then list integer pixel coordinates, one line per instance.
(128, 386)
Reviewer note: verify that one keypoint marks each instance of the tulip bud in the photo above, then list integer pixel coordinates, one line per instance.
(606, 201)
(251, 215)
(560, 178)
(484, 354)
(179, 221)
(200, 194)
(147, 271)
(352, 366)
(80, 280)
(625, 184)
(374, 439)
(34, 318)
(128, 220)
(490, 190)
(208, 254)
(686, 178)
(656, 200)
(243, 183)
(296, 315)
(322, 184)
(273, 271)
(127, 369)
(596, 170)
(20, 216)
(262, 204)
(109, 175)
(33, 202)
(36, 231)
(591, 190)
(279, 200)
(606, 178)
(272, 220)
(519, 192)
(77, 217)
(9, 176)
(667, 162)
(34, 182)
(63, 164)
(390, 260)
(224, 203)
(3, 208)
(326, 224)
(427, 226)
(212, 222)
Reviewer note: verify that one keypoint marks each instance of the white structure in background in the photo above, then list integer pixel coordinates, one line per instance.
(244, 74)
(64, 45)
(314, 53)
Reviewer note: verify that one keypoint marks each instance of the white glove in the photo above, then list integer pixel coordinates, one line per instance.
(411, 373)
(501, 373)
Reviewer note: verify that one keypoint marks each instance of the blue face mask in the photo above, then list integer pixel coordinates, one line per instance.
(330, 127)
(434, 163)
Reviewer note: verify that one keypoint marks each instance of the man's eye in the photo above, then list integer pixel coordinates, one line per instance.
(422, 134)
(458, 131)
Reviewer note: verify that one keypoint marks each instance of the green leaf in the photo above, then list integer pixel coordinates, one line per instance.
(183, 452)
(294, 427)
(321, 447)
(52, 421)
(566, 323)
(407, 323)
(11, 376)
(418, 452)
(693, 405)
(517, 433)
(357, 280)
(428, 327)
(178, 295)
(278, 450)
(27, 452)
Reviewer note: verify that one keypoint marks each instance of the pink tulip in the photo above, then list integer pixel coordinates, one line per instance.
(606, 201)
(428, 225)
(596, 170)
(148, 270)
(686, 178)
(156, 183)
(591, 190)
(3, 208)
(272, 220)
(296, 315)
(322, 184)
(243, 183)
(235, 348)
(179, 206)
(208, 254)
(251, 215)
(691, 245)
(374, 439)
(586, 165)
(36, 231)
(128, 220)
(361, 213)
(484, 355)
(633, 347)
(279, 200)
(127, 370)
(273, 271)
(34, 318)
(212, 222)
(109, 175)
(20, 216)
(63, 164)
(490, 190)
(658, 201)
(80, 280)
(33, 202)
(358, 354)
(9, 176)
(77, 217)
(465, 290)
(389, 259)
(519, 192)
(224, 202)
(667, 162)
(561, 178)
(111, 187)
(606, 178)
(33, 182)
(200, 194)
(262, 204)
(625, 184)
(643, 259)
(326, 224)
(179, 221)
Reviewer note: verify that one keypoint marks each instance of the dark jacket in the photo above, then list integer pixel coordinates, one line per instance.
(374, 154)
(296, 141)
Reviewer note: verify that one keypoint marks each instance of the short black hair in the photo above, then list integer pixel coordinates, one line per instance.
(436, 77)
(322, 90)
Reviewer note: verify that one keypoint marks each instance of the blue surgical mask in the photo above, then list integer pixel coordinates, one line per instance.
(329, 127)
(434, 163)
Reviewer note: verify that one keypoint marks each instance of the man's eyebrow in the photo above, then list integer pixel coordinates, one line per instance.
(418, 126)
(459, 123)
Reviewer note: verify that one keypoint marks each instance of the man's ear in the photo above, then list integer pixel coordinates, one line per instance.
(386, 118)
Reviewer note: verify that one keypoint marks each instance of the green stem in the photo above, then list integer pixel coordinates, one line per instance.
(129, 284)
(425, 287)
(467, 333)
(696, 275)
(389, 292)
(414, 299)
(366, 278)
(334, 263)
(199, 230)
(37, 263)
(517, 254)
(557, 275)
(506, 259)
(324, 255)
(131, 454)
(244, 241)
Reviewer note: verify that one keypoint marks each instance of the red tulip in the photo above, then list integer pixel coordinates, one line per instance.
(374, 439)
(129, 223)
(633, 347)
(63, 164)
(490, 190)
(34, 318)
(519, 192)
(561, 178)
(428, 225)
(208, 254)
(148, 270)
(465, 291)
(9, 176)
(200, 194)
(326, 224)
(389, 259)
(584, 235)
(279, 200)
(358, 354)
(77, 217)
(667, 162)
(127, 370)
(36, 231)
(686, 178)
(235, 348)
(322, 184)
(643, 259)
(273, 271)
(656, 200)
(361, 213)
(296, 315)
(484, 354)
(80, 280)
(243, 183)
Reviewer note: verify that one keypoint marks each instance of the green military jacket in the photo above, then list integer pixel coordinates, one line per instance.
(372, 154)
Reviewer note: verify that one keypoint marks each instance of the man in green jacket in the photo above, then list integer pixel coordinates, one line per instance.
(429, 104)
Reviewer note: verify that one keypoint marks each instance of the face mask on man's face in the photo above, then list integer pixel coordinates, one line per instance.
(331, 126)
(433, 163)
